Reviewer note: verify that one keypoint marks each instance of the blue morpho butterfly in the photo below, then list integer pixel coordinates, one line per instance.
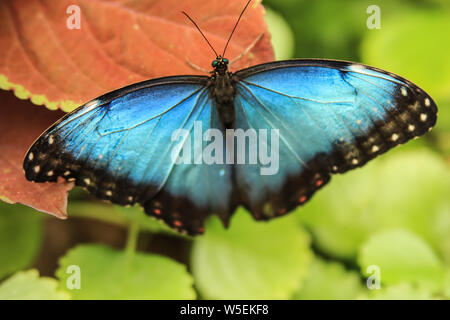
(331, 116)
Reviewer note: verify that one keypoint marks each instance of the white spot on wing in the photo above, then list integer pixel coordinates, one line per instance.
(427, 102)
(423, 117)
(357, 68)
(404, 92)
(394, 137)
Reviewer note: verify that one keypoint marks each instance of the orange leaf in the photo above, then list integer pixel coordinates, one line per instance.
(17, 131)
(118, 43)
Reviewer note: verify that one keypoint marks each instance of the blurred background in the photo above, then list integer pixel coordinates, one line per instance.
(380, 232)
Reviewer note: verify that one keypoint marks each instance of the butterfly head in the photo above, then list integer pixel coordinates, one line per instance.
(220, 65)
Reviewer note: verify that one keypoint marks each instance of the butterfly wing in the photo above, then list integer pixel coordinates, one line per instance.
(120, 147)
(332, 116)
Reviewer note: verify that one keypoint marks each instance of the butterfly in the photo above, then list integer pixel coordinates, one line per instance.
(330, 117)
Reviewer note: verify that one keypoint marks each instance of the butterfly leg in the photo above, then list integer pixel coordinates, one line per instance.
(248, 49)
(196, 67)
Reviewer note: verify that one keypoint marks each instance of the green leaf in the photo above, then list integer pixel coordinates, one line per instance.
(446, 291)
(105, 273)
(20, 237)
(411, 44)
(401, 291)
(282, 37)
(406, 188)
(402, 256)
(441, 228)
(26, 285)
(320, 32)
(329, 281)
(250, 260)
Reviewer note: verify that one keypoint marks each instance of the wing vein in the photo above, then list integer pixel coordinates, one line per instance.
(271, 124)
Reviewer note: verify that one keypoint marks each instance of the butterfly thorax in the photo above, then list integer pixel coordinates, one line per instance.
(223, 90)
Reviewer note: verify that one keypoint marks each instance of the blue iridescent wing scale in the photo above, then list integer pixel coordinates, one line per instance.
(119, 146)
(332, 116)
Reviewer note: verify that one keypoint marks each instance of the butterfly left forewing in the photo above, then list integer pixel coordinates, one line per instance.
(120, 148)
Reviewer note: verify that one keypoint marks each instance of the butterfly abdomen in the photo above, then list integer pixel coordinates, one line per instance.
(223, 91)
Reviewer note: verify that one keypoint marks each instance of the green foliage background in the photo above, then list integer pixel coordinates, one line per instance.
(393, 214)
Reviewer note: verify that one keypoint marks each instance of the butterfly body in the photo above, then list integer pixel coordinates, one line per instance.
(328, 117)
(223, 89)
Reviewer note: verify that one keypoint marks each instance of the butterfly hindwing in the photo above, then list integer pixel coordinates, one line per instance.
(120, 146)
(332, 116)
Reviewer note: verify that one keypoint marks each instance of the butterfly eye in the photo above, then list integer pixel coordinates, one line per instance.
(225, 60)
(215, 63)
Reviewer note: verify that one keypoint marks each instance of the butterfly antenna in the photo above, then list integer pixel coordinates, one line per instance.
(235, 26)
(198, 28)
